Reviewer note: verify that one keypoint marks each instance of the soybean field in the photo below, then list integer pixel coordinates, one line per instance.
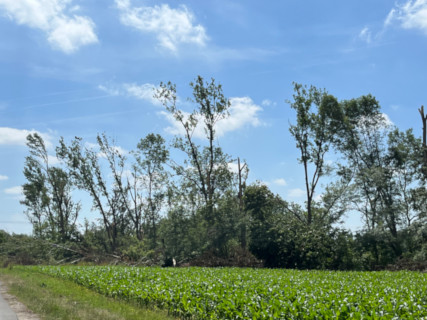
(233, 293)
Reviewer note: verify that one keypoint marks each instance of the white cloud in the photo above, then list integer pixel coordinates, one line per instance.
(366, 35)
(12, 136)
(264, 183)
(268, 103)
(172, 27)
(3, 177)
(119, 150)
(387, 120)
(14, 191)
(69, 34)
(280, 182)
(296, 193)
(143, 92)
(390, 17)
(53, 161)
(64, 32)
(410, 15)
(111, 90)
(176, 127)
(233, 167)
(243, 112)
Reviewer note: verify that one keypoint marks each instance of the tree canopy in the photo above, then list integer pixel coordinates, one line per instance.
(152, 208)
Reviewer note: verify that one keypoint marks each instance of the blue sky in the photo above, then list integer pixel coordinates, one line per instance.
(77, 68)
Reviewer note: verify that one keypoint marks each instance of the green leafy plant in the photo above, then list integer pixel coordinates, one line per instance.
(231, 293)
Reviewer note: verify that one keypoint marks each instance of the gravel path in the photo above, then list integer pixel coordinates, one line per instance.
(12, 309)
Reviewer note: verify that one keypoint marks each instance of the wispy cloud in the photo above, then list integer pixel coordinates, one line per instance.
(18, 137)
(243, 112)
(15, 191)
(280, 182)
(3, 177)
(143, 92)
(410, 15)
(171, 27)
(366, 35)
(268, 103)
(64, 30)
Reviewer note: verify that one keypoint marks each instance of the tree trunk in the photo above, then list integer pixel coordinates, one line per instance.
(424, 120)
(243, 227)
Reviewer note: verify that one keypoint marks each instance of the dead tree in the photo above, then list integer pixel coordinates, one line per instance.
(424, 120)
(242, 175)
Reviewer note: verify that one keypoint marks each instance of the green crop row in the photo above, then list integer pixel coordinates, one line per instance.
(231, 293)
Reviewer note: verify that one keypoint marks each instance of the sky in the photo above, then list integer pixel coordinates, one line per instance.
(78, 68)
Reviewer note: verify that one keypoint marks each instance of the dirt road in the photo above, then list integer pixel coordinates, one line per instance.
(12, 309)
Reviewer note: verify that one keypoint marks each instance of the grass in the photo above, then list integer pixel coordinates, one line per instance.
(53, 298)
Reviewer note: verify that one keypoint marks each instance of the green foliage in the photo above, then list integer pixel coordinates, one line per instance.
(265, 210)
(149, 188)
(86, 170)
(183, 236)
(158, 208)
(47, 193)
(385, 166)
(281, 239)
(205, 168)
(27, 250)
(223, 293)
(319, 118)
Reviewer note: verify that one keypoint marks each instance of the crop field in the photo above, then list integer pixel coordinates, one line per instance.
(231, 293)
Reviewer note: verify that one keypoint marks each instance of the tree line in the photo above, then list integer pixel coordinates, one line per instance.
(151, 208)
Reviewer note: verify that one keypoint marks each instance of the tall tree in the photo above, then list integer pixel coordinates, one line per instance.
(318, 118)
(404, 151)
(48, 194)
(151, 156)
(86, 169)
(242, 175)
(206, 167)
(385, 163)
